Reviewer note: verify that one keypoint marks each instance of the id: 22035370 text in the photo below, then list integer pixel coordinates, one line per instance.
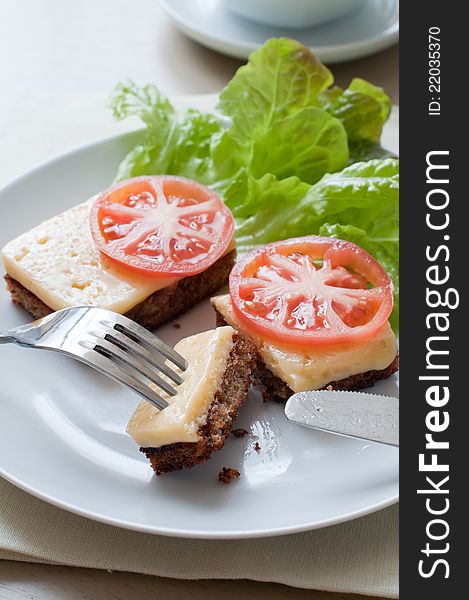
(434, 73)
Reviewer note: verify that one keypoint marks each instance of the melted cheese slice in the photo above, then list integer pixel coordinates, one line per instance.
(314, 368)
(59, 263)
(207, 354)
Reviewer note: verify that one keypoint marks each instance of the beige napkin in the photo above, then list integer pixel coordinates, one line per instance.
(360, 556)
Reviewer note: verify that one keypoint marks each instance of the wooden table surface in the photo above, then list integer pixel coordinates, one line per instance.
(88, 46)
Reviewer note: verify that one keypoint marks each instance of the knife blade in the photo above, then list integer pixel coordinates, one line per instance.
(354, 414)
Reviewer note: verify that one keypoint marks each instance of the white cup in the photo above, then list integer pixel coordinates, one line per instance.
(292, 14)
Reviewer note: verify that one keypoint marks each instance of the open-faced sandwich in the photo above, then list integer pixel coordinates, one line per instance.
(317, 311)
(148, 247)
(200, 417)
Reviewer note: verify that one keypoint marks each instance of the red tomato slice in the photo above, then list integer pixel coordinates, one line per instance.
(311, 291)
(161, 225)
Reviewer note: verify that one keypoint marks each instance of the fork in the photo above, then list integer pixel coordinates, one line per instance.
(110, 343)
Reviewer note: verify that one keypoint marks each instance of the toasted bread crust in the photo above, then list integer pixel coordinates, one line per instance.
(159, 308)
(223, 411)
(227, 474)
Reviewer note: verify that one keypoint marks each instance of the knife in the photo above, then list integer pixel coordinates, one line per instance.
(354, 414)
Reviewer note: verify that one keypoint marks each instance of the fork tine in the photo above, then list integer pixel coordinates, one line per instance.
(108, 348)
(152, 358)
(108, 366)
(142, 335)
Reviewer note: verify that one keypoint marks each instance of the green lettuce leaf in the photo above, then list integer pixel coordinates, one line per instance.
(306, 144)
(280, 78)
(276, 124)
(364, 195)
(363, 109)
(257, 204)
(284, 119)
(366, 150)
(173, 143)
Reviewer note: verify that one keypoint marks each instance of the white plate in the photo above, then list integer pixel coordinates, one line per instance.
(62, 425)
(372, 28)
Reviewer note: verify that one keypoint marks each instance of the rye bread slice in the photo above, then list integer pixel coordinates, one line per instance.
(160, 307)
(231, 394)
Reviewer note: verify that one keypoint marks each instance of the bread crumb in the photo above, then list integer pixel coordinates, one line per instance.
(227, 474)
(257, 447)
(240, 432)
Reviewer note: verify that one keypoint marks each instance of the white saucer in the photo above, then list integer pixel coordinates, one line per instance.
(366, 31)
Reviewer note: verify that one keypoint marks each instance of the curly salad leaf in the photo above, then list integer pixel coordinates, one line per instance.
(282, 150)
(173, 143)
(276, 124)
(363, 109)
(283, 118)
